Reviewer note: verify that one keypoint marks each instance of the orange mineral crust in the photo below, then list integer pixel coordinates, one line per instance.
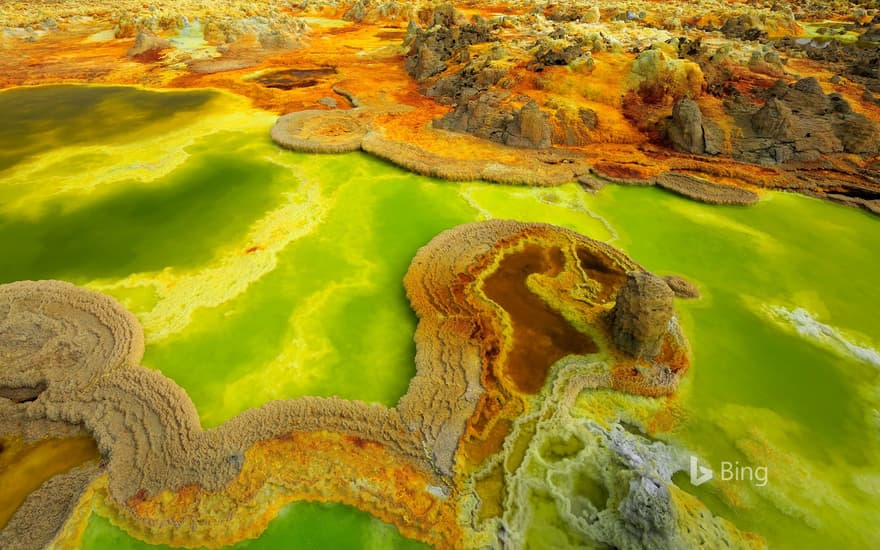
(313, 466)
(539, 294)
(482, 291)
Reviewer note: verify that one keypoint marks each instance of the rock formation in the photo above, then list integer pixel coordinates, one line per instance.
(147, 44)
(447, 39)
(560, 51)
(658, 78)
(642, 314)
(690, 133)
(479, 75)
(485, 118)
(799, 122)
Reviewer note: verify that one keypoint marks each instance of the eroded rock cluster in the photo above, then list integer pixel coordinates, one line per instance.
(447, 39)
(800, 122)
(486, 117)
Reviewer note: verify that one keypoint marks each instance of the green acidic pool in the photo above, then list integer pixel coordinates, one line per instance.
(263, 274)
(298, 525)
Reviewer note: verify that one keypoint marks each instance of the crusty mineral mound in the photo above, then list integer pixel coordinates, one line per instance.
(682, 287)
(52, 329)
(704, 190)
(657, 78)
(320, 131)
(640, 318)
(799, 122)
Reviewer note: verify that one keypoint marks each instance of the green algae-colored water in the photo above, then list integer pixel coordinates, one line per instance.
(263, 274)
(306, 525)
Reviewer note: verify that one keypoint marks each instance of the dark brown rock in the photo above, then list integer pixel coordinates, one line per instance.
(858, 134)
(713, 138)
(775, 121)
(447, 40)
(799, 122)
(743, 27)
(686, 130)
(640, 318)
(477, 76)
(550, 51)
(424, 63)
(488, 117)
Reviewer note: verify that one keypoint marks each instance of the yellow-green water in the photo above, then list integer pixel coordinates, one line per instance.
(262, 274)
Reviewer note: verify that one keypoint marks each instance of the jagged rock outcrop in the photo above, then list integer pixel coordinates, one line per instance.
(641, 314)
(799, 122)
(356, 12)
(424, 63)
(743, 27)
(447, 40)
(147, 44)
(487, 118)
(561, 51)
(659, 78)
(478, 75)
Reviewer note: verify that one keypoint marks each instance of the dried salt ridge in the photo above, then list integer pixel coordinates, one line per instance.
(338, 131)
(75, 352)
(544, 168)
(44, 511)
(705, 191)
(686, 185)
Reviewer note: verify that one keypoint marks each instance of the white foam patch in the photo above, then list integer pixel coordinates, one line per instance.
(812, 329)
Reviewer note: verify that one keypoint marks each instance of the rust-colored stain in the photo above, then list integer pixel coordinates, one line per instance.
(541, 335)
